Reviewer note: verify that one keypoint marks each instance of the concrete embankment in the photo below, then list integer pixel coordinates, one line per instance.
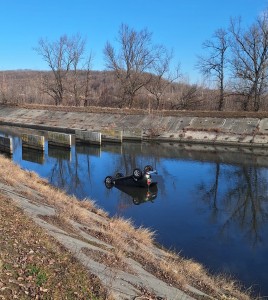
(247, 131)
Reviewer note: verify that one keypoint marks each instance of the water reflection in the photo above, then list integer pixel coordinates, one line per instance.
(93, 150)
(59, 153)
(33, 155)
(209, 199)
(244, 200)
(139, 195)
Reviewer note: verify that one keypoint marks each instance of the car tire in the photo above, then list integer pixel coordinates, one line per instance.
(108, 182)
(137, 173)
(148, 168)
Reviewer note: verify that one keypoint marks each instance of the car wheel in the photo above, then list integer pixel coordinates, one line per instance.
(118, 175)
(108, 182)
(148, 168)
(137, 173)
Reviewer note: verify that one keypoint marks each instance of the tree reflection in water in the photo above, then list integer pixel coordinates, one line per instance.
(230, 184)
(65, 172)
(242, 201)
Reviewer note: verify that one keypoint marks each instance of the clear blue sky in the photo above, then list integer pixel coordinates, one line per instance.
(181, 25)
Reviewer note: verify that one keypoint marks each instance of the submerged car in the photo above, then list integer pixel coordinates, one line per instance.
(138, 178)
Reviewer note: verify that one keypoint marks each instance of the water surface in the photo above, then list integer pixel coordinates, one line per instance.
(211, 204)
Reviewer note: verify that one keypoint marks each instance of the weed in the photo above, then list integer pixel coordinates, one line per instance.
(41, 277)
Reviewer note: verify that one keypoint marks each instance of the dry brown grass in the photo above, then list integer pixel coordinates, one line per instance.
(34, 266)
(127, 241)
(129, 232)
(112, 260)
(133, 111)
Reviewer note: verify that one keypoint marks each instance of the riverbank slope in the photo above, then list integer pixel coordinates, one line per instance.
(225, 128)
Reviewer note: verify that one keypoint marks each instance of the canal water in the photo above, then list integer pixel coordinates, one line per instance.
(211, 204)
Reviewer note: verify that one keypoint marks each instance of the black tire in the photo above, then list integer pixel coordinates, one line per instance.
(118, 175)
(137, 173)
(148, 168)
(108, 182)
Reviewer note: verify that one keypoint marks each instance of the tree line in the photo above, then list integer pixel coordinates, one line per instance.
(237, 60)
(142, 74)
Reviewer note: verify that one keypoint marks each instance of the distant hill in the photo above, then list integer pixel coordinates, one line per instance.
(27, 86)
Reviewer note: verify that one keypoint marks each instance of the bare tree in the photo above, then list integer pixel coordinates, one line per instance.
(162, 77)
(215, 62)
(87, 79)
(250, 60)
(77, 50)
(61, 56)
(185, 96)
(133, 61)
(79, 78)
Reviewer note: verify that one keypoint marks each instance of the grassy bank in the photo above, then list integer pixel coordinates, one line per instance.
(33, 265)
(133, 111)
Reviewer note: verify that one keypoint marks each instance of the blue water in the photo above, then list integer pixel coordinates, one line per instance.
(211, 206)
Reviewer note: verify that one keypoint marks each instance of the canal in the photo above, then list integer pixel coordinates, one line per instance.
(211, 204)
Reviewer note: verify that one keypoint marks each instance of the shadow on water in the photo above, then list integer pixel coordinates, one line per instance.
(211, 203)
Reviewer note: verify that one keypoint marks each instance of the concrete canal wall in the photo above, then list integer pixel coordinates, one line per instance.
(33, 141)
(190, 129)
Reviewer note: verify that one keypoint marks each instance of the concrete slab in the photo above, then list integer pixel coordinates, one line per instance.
(131, 122)
(207, 123)
(247, 139)
(263, 126)
(226, 138)
(240, 126)
(112, 135)
(90, 137)
(173, 136)
(174, 124)
(132, 134)
(200, 136)
(260, 139)
(33, 141)
(154, 123)
(59, 139)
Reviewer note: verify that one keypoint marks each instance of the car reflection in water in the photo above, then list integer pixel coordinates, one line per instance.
(140, 194)
(140, 185)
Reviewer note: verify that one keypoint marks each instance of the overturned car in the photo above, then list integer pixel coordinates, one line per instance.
(138, 178)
